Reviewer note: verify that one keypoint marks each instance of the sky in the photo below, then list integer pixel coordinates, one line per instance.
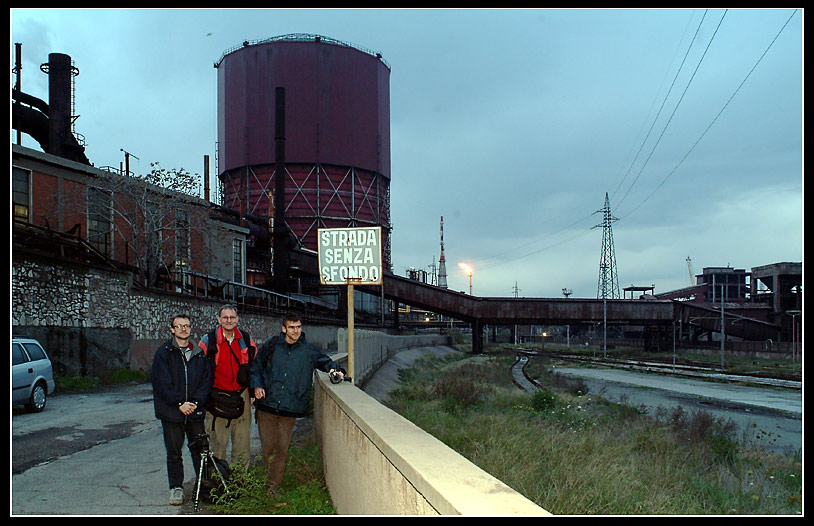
(511, 124)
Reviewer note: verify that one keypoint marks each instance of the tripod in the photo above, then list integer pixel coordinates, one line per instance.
(208, 460)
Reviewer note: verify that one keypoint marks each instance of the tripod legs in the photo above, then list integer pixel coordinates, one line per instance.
(207, 458)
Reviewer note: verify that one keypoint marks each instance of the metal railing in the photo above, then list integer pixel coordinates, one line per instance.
(205, 286)
(301, 37)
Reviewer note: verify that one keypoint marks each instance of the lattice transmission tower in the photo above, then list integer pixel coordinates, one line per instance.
(608, 285)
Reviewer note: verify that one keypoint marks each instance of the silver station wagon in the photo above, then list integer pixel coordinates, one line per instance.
(32, 377)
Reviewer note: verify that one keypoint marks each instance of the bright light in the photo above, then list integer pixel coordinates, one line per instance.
(466, 268)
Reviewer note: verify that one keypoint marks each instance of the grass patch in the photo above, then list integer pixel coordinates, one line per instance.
(303, 490)
(574, 453)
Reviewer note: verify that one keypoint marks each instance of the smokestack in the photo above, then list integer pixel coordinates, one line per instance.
(280, 264)
(59, 102)
(442, 265)
(18, 70)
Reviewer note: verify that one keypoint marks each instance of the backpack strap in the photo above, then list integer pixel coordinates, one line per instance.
(211, 353)
(251, 350)
(270, 344)
(212, 348)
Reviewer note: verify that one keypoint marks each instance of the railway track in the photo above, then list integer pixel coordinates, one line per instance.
(688, 370)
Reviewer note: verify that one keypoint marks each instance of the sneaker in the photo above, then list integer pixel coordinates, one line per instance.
(177, 496)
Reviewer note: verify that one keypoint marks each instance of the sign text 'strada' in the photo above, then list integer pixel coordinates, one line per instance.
(350, 255)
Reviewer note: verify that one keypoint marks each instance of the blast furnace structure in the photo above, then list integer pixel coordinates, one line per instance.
(336, 141)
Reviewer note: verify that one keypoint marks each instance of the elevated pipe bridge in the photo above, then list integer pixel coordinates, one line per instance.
(480, 311)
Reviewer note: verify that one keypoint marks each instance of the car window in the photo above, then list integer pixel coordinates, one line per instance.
(17, 354)
(34, 351)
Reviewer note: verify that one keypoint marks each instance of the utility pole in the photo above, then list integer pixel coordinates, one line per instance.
(516, 291)
(608, 285)
(723, 329)
(567, 292)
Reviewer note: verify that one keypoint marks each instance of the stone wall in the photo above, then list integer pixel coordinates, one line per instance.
(91, 321)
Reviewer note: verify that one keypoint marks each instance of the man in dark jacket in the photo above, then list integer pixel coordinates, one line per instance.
(181, 378)
(282, 377)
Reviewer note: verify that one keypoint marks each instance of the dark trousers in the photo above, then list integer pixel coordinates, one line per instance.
(174, 433)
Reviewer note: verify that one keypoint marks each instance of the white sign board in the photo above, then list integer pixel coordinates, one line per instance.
(350, 256)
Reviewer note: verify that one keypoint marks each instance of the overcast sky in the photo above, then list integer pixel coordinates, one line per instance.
(512, 124)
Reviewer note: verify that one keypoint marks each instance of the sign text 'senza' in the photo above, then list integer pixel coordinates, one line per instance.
(350, 255)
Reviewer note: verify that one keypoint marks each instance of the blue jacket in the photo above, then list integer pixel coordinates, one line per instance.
(176, 380)
(287, 374)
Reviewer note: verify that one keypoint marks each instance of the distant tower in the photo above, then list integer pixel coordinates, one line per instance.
(608, 286)
(442, 265)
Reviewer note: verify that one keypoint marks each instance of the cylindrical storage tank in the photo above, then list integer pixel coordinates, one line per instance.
(337, 133)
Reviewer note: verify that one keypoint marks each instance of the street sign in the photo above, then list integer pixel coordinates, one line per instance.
(350, 256)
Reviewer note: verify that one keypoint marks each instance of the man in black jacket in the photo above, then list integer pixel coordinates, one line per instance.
(282, 377)
(181, 378)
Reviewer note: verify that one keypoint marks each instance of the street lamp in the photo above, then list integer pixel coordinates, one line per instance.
(466, 268)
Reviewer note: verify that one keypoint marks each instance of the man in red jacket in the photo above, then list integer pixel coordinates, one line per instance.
(232, 348)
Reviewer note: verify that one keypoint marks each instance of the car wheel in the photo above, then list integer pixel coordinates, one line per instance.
(37, 399)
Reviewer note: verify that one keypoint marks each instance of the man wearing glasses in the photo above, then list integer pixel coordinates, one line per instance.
(282, 378)
(181, 379)
(230, 349)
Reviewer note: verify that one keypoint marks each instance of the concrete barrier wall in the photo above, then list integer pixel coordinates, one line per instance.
(372, 348)
(378, 463)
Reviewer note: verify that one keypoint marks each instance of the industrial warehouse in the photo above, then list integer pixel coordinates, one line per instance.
(260, 241)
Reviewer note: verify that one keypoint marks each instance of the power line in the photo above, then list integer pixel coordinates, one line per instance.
(538, 239)
(715, 118)
(589, 230)
(634, 160)
(667, 124)
(656, 118)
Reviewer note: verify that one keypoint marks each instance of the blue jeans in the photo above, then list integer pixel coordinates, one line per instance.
(174, 441)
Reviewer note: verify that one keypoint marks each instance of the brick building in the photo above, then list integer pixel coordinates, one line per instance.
(66, 208)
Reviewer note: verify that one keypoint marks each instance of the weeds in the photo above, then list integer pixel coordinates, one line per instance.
(303, 490)
(575, 453)
(459, 391)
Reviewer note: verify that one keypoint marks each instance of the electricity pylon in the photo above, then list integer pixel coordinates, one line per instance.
(608, 285)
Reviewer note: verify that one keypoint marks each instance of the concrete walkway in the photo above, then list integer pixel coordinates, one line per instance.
(386, 378)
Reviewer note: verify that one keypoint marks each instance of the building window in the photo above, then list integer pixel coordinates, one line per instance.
(21, 193)
(237, 260)
(99, 224)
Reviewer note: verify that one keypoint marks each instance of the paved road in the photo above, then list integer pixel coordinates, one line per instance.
(94, 454)
(767, 416)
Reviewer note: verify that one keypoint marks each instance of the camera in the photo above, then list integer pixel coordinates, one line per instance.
(202, 441)
(336, 377)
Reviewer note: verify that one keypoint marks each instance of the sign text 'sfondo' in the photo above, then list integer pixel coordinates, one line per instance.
(350, 255)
